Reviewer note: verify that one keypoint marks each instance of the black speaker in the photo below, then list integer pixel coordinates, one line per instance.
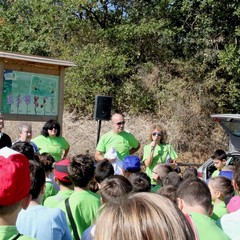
(102, 109)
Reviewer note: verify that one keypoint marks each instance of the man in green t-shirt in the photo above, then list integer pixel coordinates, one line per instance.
(14, 192)
(124, 142)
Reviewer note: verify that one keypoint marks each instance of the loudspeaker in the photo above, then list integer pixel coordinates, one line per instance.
(102, 109)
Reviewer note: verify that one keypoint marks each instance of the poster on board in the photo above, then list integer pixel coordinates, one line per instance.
(30, 93)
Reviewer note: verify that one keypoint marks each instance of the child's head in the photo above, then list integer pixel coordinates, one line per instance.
(114, 187)
(172, 179)
(131, 164)
(61, 173)
(103, 170)
(47, 161)
(169, 192)
(219, 159)
(38, 179)
(194, 194)
(81, 170)
(220, 188)
(189, 173)
(160, 171)
(15, 182)
(25, 148)
(142, 216)
(140, 182)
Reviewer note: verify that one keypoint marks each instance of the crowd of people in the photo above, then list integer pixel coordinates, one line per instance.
(114, 194)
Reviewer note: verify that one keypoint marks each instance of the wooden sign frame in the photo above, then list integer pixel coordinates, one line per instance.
(32, 87)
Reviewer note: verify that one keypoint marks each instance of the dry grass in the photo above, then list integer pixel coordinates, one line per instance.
(82, 134)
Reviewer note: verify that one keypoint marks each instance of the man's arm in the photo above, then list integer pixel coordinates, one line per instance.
(99, 156)
(133, 150)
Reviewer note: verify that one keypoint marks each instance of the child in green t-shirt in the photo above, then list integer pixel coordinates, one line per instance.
(47, 162)
(220, 188)
(219, 159)
(160, 171)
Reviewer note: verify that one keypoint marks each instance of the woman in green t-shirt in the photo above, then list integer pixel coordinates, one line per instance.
(157, 151)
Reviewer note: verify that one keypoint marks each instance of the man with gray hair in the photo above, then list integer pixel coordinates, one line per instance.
(25, 133)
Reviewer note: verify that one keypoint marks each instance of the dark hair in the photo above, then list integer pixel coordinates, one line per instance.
(47, 160)
(140, 182)
(190, 173)
(169, 192)
(103, 170)
(50, 124)
(172, 179)
(219, 154)
(81, 170)
(236, 174)
(195, 193)
(114, 187)
(162, 170)
(25, 148)
(37, 175)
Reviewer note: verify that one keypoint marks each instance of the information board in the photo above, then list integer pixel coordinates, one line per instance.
(30, 93)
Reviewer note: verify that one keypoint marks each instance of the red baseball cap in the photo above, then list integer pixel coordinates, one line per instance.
(61, 170)
(14, 175)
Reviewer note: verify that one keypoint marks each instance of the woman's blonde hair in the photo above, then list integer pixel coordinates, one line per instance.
(160, 129)
(142, 216)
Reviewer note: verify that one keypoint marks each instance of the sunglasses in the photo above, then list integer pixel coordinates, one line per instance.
(157, 134)
(51, 128)
(120, 123)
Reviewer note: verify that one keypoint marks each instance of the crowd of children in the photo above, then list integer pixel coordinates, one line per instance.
(80, 198)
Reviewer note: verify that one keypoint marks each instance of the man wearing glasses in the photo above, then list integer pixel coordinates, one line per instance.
(124, 142)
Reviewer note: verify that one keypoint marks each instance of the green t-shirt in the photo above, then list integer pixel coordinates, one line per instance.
(10, 232)
(155, 188)
(53, 201)
(48, 191)
(207, 228)
(215, 173)
(159, 156)
(51, 145)
(122, 142)
(84, 207)
(219, 210)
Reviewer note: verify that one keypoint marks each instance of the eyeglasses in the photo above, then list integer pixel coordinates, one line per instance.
(157, 134)
(120, 123)
(154, 172)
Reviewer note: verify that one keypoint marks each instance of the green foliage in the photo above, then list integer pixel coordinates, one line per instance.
(99, 70)
(154, 56)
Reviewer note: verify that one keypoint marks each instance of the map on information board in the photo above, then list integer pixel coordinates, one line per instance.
(30, 93)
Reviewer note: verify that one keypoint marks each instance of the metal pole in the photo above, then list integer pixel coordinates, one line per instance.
(99, 130)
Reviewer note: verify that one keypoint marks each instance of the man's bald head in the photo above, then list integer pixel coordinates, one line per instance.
(118, 122)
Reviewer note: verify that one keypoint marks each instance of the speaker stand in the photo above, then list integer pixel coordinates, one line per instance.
(99, 130)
